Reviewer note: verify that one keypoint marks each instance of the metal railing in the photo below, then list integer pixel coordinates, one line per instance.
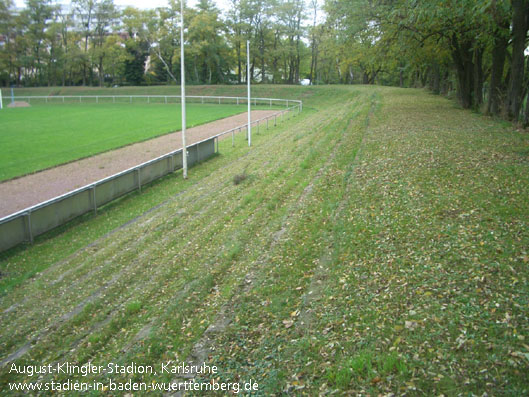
(166, 99)
(25, 225)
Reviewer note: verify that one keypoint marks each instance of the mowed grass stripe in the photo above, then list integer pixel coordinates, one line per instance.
(196, 229)
(418, 258)
(400, 266)
(192, 212)
(44, 136)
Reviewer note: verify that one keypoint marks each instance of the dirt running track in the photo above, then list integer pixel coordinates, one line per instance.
(20, 193)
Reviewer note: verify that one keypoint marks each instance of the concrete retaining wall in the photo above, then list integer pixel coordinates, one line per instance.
(25, 225)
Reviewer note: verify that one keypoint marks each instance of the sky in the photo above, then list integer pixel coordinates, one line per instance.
(223, 5)
(145, 4)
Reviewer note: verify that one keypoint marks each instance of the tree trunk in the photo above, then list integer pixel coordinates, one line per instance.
(498, 62)
(445, 85)
(478, 77)
(239, 64)
(262, 56)
(86, 58)
(374, 76)
(424, 76)
(526, 110)
(417, 78)
(365, 78)
(519, 31)
(436, 79)
(165, 64)
(315, 66)
(101, 72)
(313, 45)
(464, 67)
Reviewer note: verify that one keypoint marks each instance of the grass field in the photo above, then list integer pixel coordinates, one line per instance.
(377, 244)
(43, 136)
(264, 91)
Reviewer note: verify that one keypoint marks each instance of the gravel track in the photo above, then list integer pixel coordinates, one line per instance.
(17, 194)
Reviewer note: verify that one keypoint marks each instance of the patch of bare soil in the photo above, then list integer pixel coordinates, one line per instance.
(19, 104)
(20, 193)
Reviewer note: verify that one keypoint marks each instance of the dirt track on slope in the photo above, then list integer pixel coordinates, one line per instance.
(20, 193)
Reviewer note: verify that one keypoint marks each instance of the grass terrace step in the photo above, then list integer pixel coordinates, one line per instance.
(377, 244)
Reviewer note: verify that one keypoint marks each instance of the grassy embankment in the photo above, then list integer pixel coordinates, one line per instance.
(377, 244)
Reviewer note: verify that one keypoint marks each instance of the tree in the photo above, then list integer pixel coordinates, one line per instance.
(105, 15)
(498, 12)
(520, 13)
(7, 25)
(37, 16)
(207, 46)
(313, 42)
(85, 14)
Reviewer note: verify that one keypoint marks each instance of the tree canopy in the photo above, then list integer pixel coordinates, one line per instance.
(472, 48)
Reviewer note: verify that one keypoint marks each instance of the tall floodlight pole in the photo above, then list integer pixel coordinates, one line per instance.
(249, 99)
(183, 87)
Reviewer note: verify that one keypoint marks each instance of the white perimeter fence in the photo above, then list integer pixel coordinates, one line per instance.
(162, 99)
(25, 225)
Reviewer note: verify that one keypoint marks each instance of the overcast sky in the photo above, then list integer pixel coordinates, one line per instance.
(223, 5)
(144, 4)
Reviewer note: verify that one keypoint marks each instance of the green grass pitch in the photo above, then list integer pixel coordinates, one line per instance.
(44, 136)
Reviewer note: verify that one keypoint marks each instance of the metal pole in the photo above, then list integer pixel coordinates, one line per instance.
(30, 233)
(1, 104)
(183, 86)
(249, 102)
(94, 199)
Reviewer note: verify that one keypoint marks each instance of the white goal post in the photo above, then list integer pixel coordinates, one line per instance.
(1, 104)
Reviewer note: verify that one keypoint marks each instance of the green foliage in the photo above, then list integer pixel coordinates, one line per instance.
(102, 46)
(471, 48)
(135, 62)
